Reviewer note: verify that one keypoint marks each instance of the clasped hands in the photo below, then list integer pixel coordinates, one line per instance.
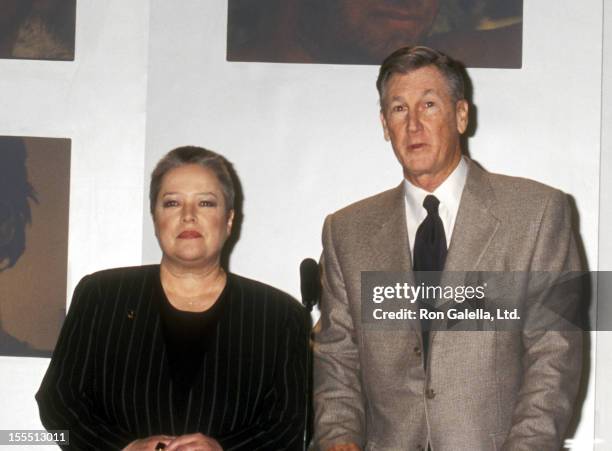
(189, 442)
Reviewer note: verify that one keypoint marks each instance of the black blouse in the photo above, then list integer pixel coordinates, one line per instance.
(122, 369)
(188, 336)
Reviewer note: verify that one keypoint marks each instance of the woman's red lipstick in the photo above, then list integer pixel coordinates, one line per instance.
(189, 234)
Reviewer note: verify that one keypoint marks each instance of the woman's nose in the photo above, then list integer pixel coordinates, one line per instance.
(188, 213)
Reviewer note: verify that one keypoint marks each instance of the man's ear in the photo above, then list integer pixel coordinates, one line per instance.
(384, 125)
(462, 113)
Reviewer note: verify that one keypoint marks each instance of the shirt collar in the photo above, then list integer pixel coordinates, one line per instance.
(448, 193)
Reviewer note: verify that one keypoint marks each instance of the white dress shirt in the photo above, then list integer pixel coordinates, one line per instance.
(449, 195)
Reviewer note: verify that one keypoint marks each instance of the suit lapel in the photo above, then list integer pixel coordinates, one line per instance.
(475, 228)
(475, 224)
(389, 250)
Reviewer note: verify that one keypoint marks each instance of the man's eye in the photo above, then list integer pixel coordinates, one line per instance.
(429, 104)
(398, 108)
(170, 203)
(208, 203)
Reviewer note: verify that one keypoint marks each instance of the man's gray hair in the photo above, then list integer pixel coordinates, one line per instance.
(408, 59)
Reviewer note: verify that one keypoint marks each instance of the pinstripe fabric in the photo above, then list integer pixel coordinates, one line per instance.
(109, 382)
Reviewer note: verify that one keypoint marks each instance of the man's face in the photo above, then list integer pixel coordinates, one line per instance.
(424, 125)
(380, 26)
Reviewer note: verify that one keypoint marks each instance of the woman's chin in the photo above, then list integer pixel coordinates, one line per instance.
(191, 260)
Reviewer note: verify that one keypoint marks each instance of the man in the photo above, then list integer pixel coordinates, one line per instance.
(380, 389)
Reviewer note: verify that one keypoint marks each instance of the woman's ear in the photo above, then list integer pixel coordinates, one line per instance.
(230, 221)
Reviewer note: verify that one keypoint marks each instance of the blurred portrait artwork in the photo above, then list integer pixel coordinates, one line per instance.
(37, 29)
(478, 33)
(34, 196)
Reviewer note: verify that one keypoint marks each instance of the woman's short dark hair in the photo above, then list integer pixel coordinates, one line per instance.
(409, 59)
(182, 156)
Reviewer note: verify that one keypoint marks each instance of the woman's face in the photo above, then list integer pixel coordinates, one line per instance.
(191, 221)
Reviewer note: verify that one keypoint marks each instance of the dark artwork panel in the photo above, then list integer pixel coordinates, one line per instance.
(34, 205)
(37, 29)
(479, 33)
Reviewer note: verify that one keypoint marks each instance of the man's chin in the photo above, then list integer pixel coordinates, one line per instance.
(416, 167)
(416, 173)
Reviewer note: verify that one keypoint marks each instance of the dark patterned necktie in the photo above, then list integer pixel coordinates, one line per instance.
(430, 240)
(429, 255)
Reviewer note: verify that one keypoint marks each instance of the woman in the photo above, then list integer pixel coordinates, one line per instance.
(180, 355)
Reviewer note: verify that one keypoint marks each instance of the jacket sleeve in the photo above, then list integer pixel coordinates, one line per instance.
(338, 400)
(283, 420)
(65, 397)
(552, 361)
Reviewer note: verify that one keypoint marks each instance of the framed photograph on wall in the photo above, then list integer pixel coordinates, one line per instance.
(37, 29)
(34, 205)
(479, 33)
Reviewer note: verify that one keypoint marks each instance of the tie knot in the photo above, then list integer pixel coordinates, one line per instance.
(431, 203)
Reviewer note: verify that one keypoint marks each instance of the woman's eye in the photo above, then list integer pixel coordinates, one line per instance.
(170, 203)
(429, 104)
(208, 203)
(398, 108)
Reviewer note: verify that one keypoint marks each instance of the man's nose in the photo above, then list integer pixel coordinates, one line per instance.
(414, 122)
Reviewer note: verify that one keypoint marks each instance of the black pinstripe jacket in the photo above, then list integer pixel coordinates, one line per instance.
(108, 382)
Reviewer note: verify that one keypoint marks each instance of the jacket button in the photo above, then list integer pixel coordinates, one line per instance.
(430, 393)
(417, 351)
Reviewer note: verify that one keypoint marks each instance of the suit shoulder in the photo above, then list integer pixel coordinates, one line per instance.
(530, 198)
(519, 186)
(114, 276)
(257, 291)
(108, 284)
(101, 289)
(370, 207)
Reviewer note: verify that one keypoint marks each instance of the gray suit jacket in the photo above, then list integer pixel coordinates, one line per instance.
(482, 390)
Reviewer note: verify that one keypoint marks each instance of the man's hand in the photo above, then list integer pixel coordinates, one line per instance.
(193, 442)
(149, 443)
(344, 447)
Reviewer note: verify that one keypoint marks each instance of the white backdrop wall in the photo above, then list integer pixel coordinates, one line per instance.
(603, 361)
(99, 102)
(150, 75)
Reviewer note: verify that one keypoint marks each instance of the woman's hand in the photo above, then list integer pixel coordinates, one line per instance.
(193, 442)
(149, 443)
